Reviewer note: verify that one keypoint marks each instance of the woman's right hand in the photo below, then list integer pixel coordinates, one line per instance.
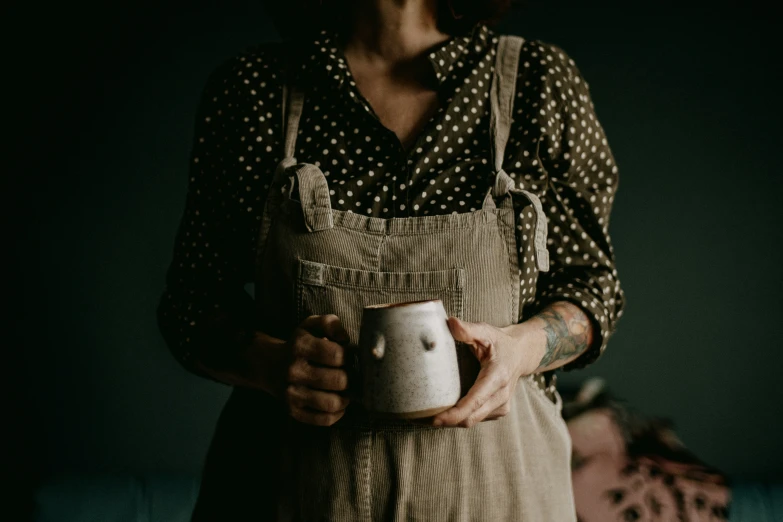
(317, 378)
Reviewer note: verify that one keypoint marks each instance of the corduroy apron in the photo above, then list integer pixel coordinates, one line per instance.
(312, 259)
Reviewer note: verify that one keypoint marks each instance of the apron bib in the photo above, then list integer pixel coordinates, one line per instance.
(315, 260)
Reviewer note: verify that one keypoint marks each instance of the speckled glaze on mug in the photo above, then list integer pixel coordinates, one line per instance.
(408, 360)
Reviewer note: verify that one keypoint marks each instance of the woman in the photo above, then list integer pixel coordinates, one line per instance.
(403, 153)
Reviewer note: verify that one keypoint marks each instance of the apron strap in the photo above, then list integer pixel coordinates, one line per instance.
(313, 192)
(502, 93)
(293, 101)
(312, 186)
(501, 107)
(314, 197)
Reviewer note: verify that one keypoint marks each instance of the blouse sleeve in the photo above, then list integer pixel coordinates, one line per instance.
(582, 183)
(204, 314)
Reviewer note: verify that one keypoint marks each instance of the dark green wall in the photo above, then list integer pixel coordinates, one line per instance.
(101, 117)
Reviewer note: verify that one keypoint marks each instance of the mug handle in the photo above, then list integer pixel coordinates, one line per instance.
(355, 375)
(354, 366)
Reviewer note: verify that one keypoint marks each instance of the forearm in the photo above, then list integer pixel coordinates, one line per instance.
(255, 364)
(555, 336)
(222, 345)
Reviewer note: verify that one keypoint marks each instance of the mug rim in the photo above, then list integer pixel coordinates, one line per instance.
(388, 306)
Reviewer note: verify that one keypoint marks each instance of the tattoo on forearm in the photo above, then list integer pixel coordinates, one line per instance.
(565, 336)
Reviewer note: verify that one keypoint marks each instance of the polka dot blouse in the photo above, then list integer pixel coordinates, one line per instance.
(557, 150)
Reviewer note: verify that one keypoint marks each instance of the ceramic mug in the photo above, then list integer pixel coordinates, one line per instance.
(407, 360)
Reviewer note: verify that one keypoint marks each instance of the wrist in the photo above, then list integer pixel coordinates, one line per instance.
(529, 341)
(262, 361)
(255, 361)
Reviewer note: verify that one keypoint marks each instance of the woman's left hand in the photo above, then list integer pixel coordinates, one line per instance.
(503, 361)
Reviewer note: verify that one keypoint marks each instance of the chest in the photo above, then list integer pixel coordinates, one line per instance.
(402, 105)
(401, 146)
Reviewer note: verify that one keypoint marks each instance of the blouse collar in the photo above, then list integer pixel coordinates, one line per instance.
(324, 60)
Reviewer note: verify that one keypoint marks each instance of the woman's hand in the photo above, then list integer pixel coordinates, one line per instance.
(317, 378)
(503, 361)
(556, 336)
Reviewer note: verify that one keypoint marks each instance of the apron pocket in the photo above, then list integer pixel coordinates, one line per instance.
(325, 289)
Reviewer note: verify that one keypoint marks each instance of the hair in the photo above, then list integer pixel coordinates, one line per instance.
(455, 17)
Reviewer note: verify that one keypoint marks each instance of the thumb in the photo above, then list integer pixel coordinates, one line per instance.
(473, 334)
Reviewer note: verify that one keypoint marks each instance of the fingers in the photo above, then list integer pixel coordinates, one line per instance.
(318, 351)
(492, 389)
(320, 378)
(316, 418)
(316, 371)
(490, 379)
(305, 398)
(489, 397)
(500, 412)
(310, 405)
(328, 326)
(496, 407)
(466, 415)
(480, 393)
(318, 340)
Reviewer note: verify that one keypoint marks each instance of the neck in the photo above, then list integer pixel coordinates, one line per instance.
(394, 31)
